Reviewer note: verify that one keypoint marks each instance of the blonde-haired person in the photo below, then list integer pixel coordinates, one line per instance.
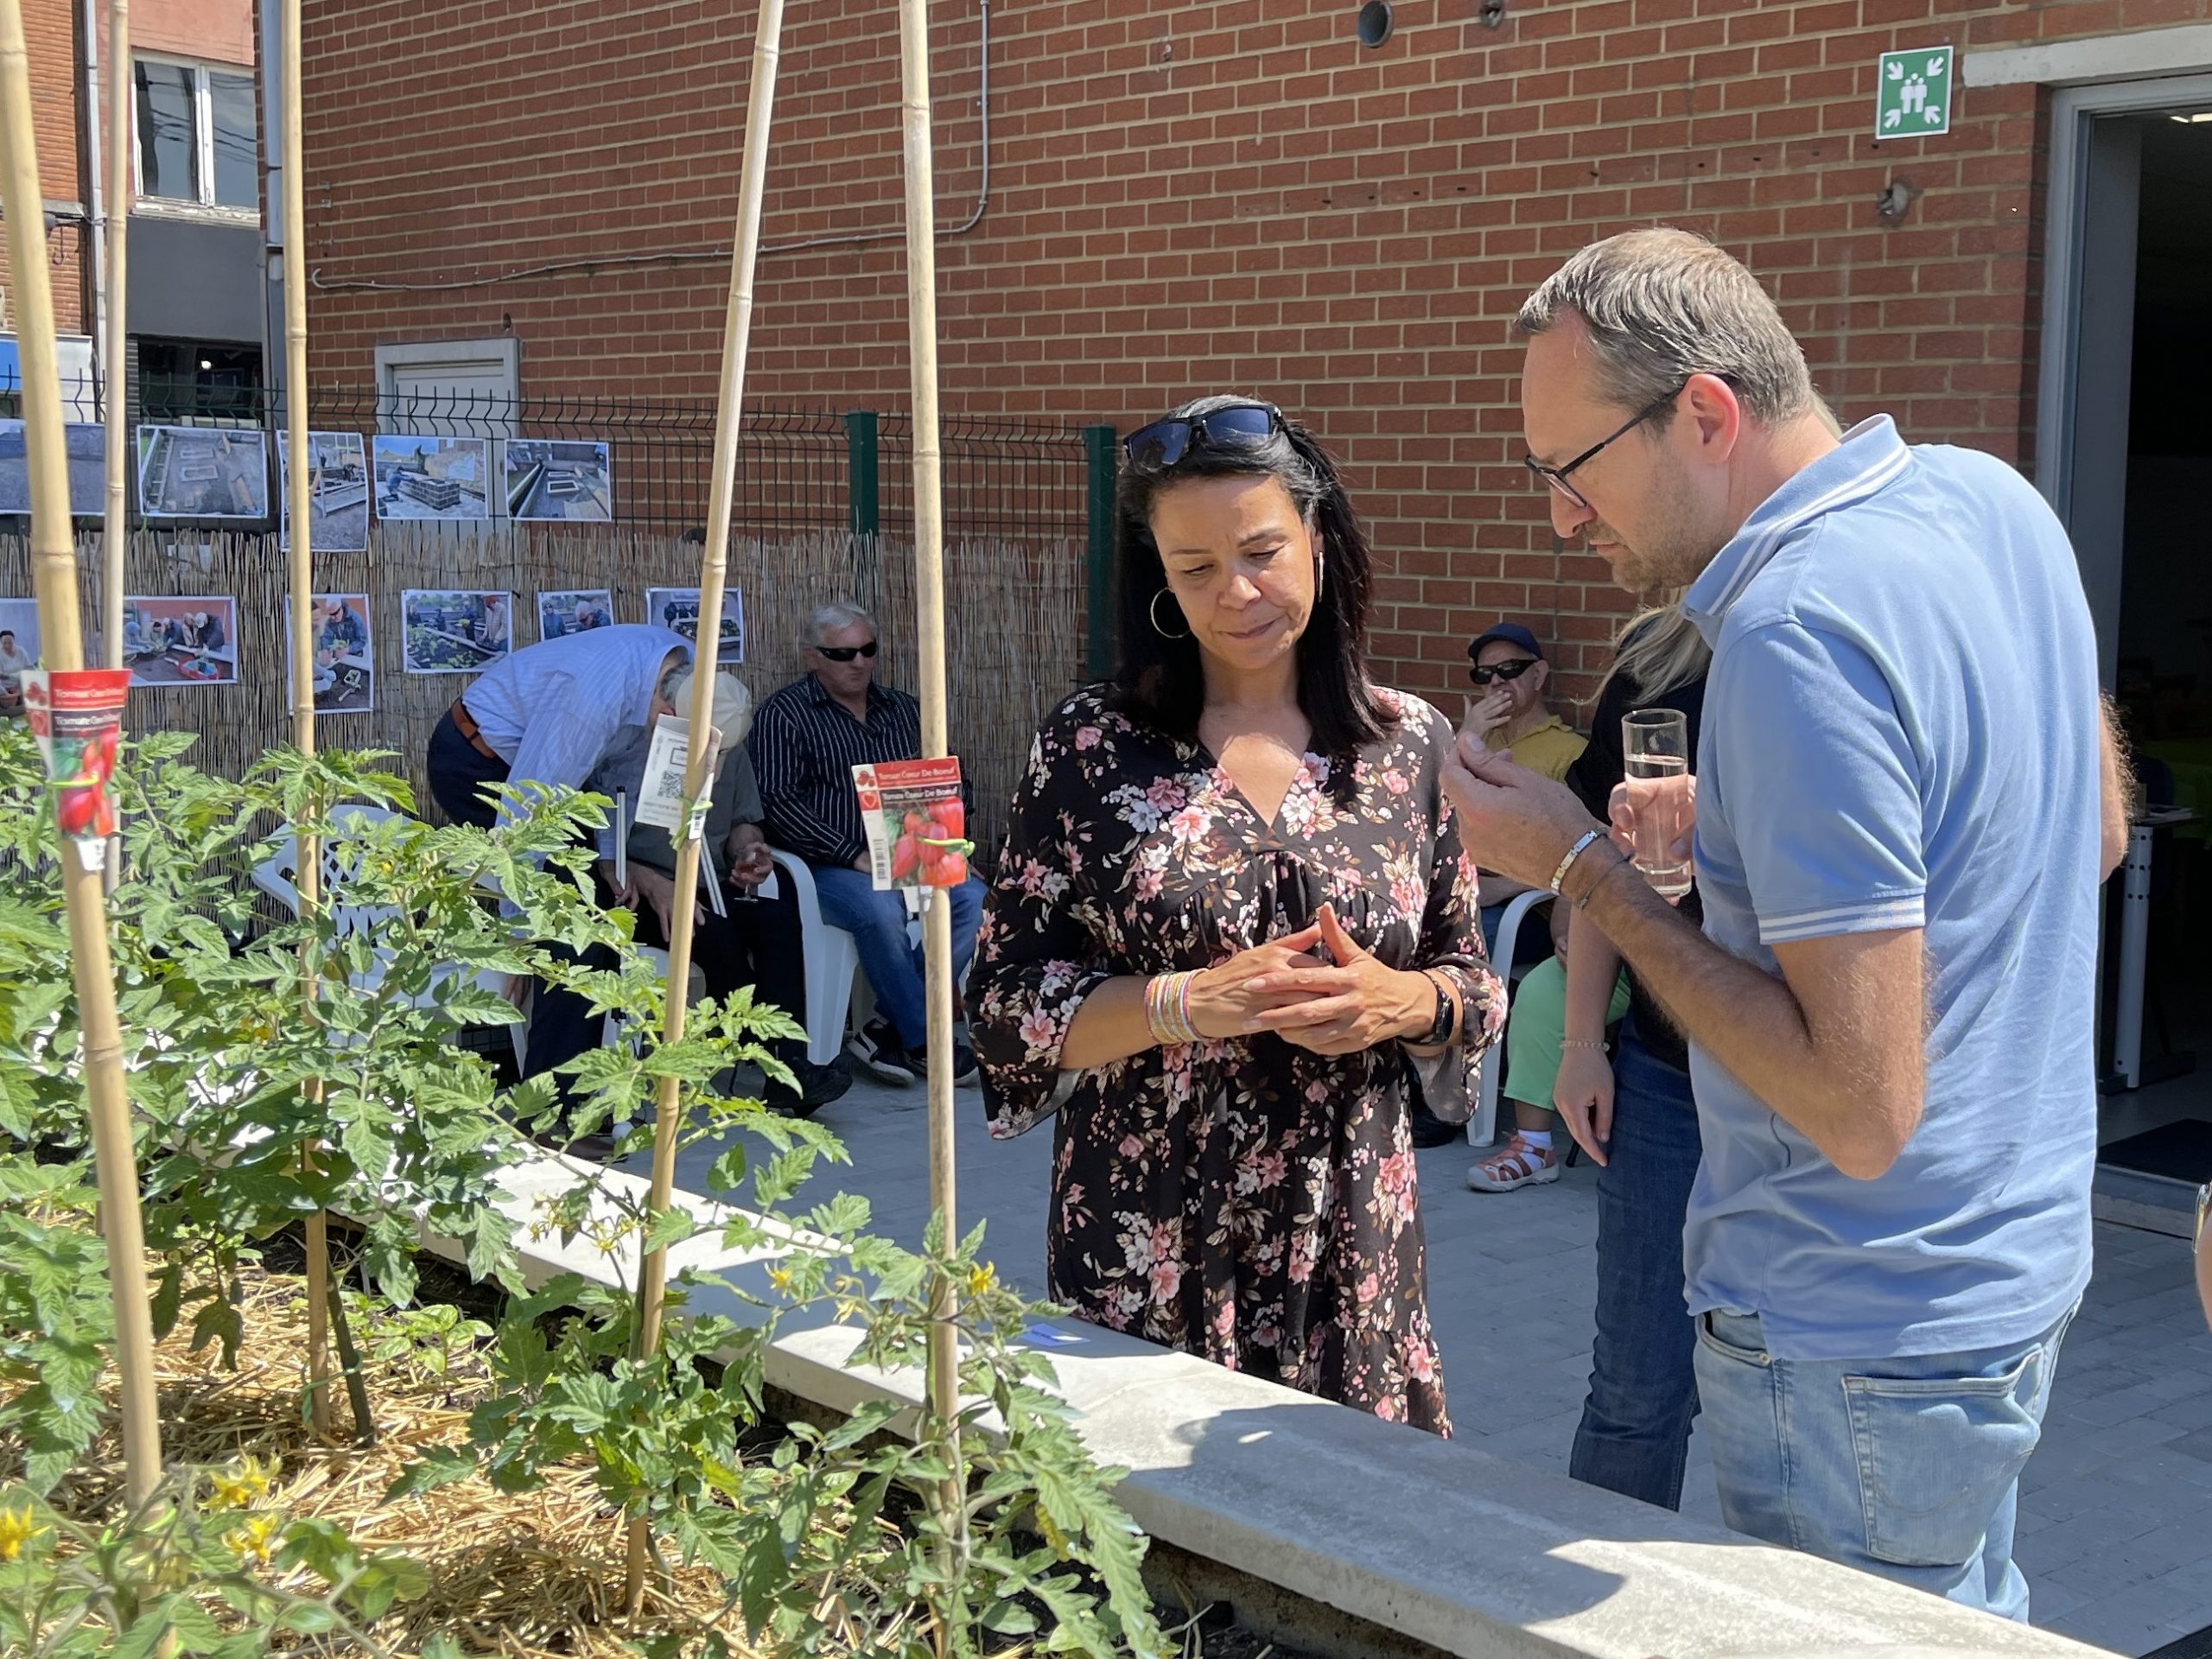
(1632, 1110)
(1659, 660)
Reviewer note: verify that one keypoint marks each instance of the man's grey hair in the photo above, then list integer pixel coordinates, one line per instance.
(1661, 305)
(844, 614)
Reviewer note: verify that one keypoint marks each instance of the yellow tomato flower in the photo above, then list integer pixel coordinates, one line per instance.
(255, 1538)
(240, 1484)
(981, 1278)
(15, 1531)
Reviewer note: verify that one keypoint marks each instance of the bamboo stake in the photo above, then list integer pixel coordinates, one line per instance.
(54, 575)
(299, 497)
(737, 329)
(115, 528)
(928, 617)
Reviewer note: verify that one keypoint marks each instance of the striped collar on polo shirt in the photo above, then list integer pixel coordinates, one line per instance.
(1870, 456)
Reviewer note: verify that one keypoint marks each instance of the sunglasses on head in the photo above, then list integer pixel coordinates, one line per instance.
(1233, 426)
(845, 653)
(1483, 674)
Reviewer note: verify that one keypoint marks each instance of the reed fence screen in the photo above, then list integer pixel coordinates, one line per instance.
(1014, 636)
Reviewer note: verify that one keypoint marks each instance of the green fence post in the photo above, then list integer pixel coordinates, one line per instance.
(860, 472)
(1098, 562)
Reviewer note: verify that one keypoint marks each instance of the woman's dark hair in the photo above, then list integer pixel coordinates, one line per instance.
(1157, 680)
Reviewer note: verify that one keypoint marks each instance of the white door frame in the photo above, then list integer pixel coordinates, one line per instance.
(2065, 206)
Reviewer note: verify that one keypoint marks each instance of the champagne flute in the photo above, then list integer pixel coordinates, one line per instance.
(1654, 743)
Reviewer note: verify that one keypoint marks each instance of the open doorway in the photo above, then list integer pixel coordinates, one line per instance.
(2163, 674)
(2128, 464)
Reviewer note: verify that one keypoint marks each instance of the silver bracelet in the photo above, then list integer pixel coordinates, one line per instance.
(1575, 852)
(1569, 1042)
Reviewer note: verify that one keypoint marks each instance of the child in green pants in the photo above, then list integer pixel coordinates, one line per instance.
(1533, 1034)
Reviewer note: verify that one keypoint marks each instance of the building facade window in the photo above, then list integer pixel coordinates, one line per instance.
(184, 381)
(198, 140)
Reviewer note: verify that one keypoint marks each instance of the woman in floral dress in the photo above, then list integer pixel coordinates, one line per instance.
(1232, 922)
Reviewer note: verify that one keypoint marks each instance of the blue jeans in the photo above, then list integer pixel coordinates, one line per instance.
(1635, 1433)
(1909, 1468)
(877, 922)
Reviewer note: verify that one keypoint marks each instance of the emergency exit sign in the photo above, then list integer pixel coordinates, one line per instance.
(1912, 97)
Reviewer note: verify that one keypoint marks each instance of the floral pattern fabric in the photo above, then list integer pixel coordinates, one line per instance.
(1247, 1200)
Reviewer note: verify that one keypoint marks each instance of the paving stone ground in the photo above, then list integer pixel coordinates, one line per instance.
(2116, 1507)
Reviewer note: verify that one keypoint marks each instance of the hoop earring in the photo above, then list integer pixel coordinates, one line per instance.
(1153, 610)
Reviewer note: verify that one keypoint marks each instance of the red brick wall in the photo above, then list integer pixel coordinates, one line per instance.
(50, 33)
(1186, 198)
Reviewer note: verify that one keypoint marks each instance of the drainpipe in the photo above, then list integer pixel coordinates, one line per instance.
(115, 331)
(95, 220)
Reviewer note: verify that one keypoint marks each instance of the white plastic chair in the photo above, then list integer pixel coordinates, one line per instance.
(832, 959)
(277, 876)
(1481, 1128)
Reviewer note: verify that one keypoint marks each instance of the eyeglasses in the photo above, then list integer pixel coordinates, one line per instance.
(1556, 476)
(1233, 426)
(1483, 674)
(845, 653)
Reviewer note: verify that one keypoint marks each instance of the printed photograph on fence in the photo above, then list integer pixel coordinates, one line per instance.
(345, 666)
(188, 641)
(202, 471)
(576, 610)
(558, 480)
(338, 492)
(453, 633)
(678, 608)
(432, 478)
(18, 652)
(87, 448)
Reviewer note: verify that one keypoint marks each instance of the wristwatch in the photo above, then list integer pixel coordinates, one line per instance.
(2203, 1209)
(1439, 1031)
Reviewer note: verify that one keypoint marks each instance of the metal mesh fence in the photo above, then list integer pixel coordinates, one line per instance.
(797, 468)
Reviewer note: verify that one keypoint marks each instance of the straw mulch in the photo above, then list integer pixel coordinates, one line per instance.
(529, 1575)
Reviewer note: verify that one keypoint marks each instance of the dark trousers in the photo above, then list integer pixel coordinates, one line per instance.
(458, 774)
(758, 944)
(1635, 1434)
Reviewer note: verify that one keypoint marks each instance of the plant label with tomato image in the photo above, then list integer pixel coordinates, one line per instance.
(77, 716)
(917, 825)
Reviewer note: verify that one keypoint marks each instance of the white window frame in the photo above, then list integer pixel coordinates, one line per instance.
(203, 145)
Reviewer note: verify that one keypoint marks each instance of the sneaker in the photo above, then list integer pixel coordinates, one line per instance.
(876, 1049)
(597, 1147)
(963, 1065)
(1515, 1164)
(817, 1086)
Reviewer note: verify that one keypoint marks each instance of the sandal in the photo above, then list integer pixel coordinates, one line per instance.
(1516, 1164)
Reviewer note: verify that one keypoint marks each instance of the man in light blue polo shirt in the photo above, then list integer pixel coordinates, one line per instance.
(1906, 798)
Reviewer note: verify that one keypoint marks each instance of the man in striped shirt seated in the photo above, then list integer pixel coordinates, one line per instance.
(806, 741)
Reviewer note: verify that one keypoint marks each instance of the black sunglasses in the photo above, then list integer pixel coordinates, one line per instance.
(845, 653)
(1233, 426)
(1556, 476)
(1483, 674)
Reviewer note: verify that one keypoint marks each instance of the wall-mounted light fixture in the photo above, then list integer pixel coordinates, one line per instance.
(1375, 21)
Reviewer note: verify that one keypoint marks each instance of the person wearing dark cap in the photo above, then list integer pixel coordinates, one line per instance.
(1510, 675)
